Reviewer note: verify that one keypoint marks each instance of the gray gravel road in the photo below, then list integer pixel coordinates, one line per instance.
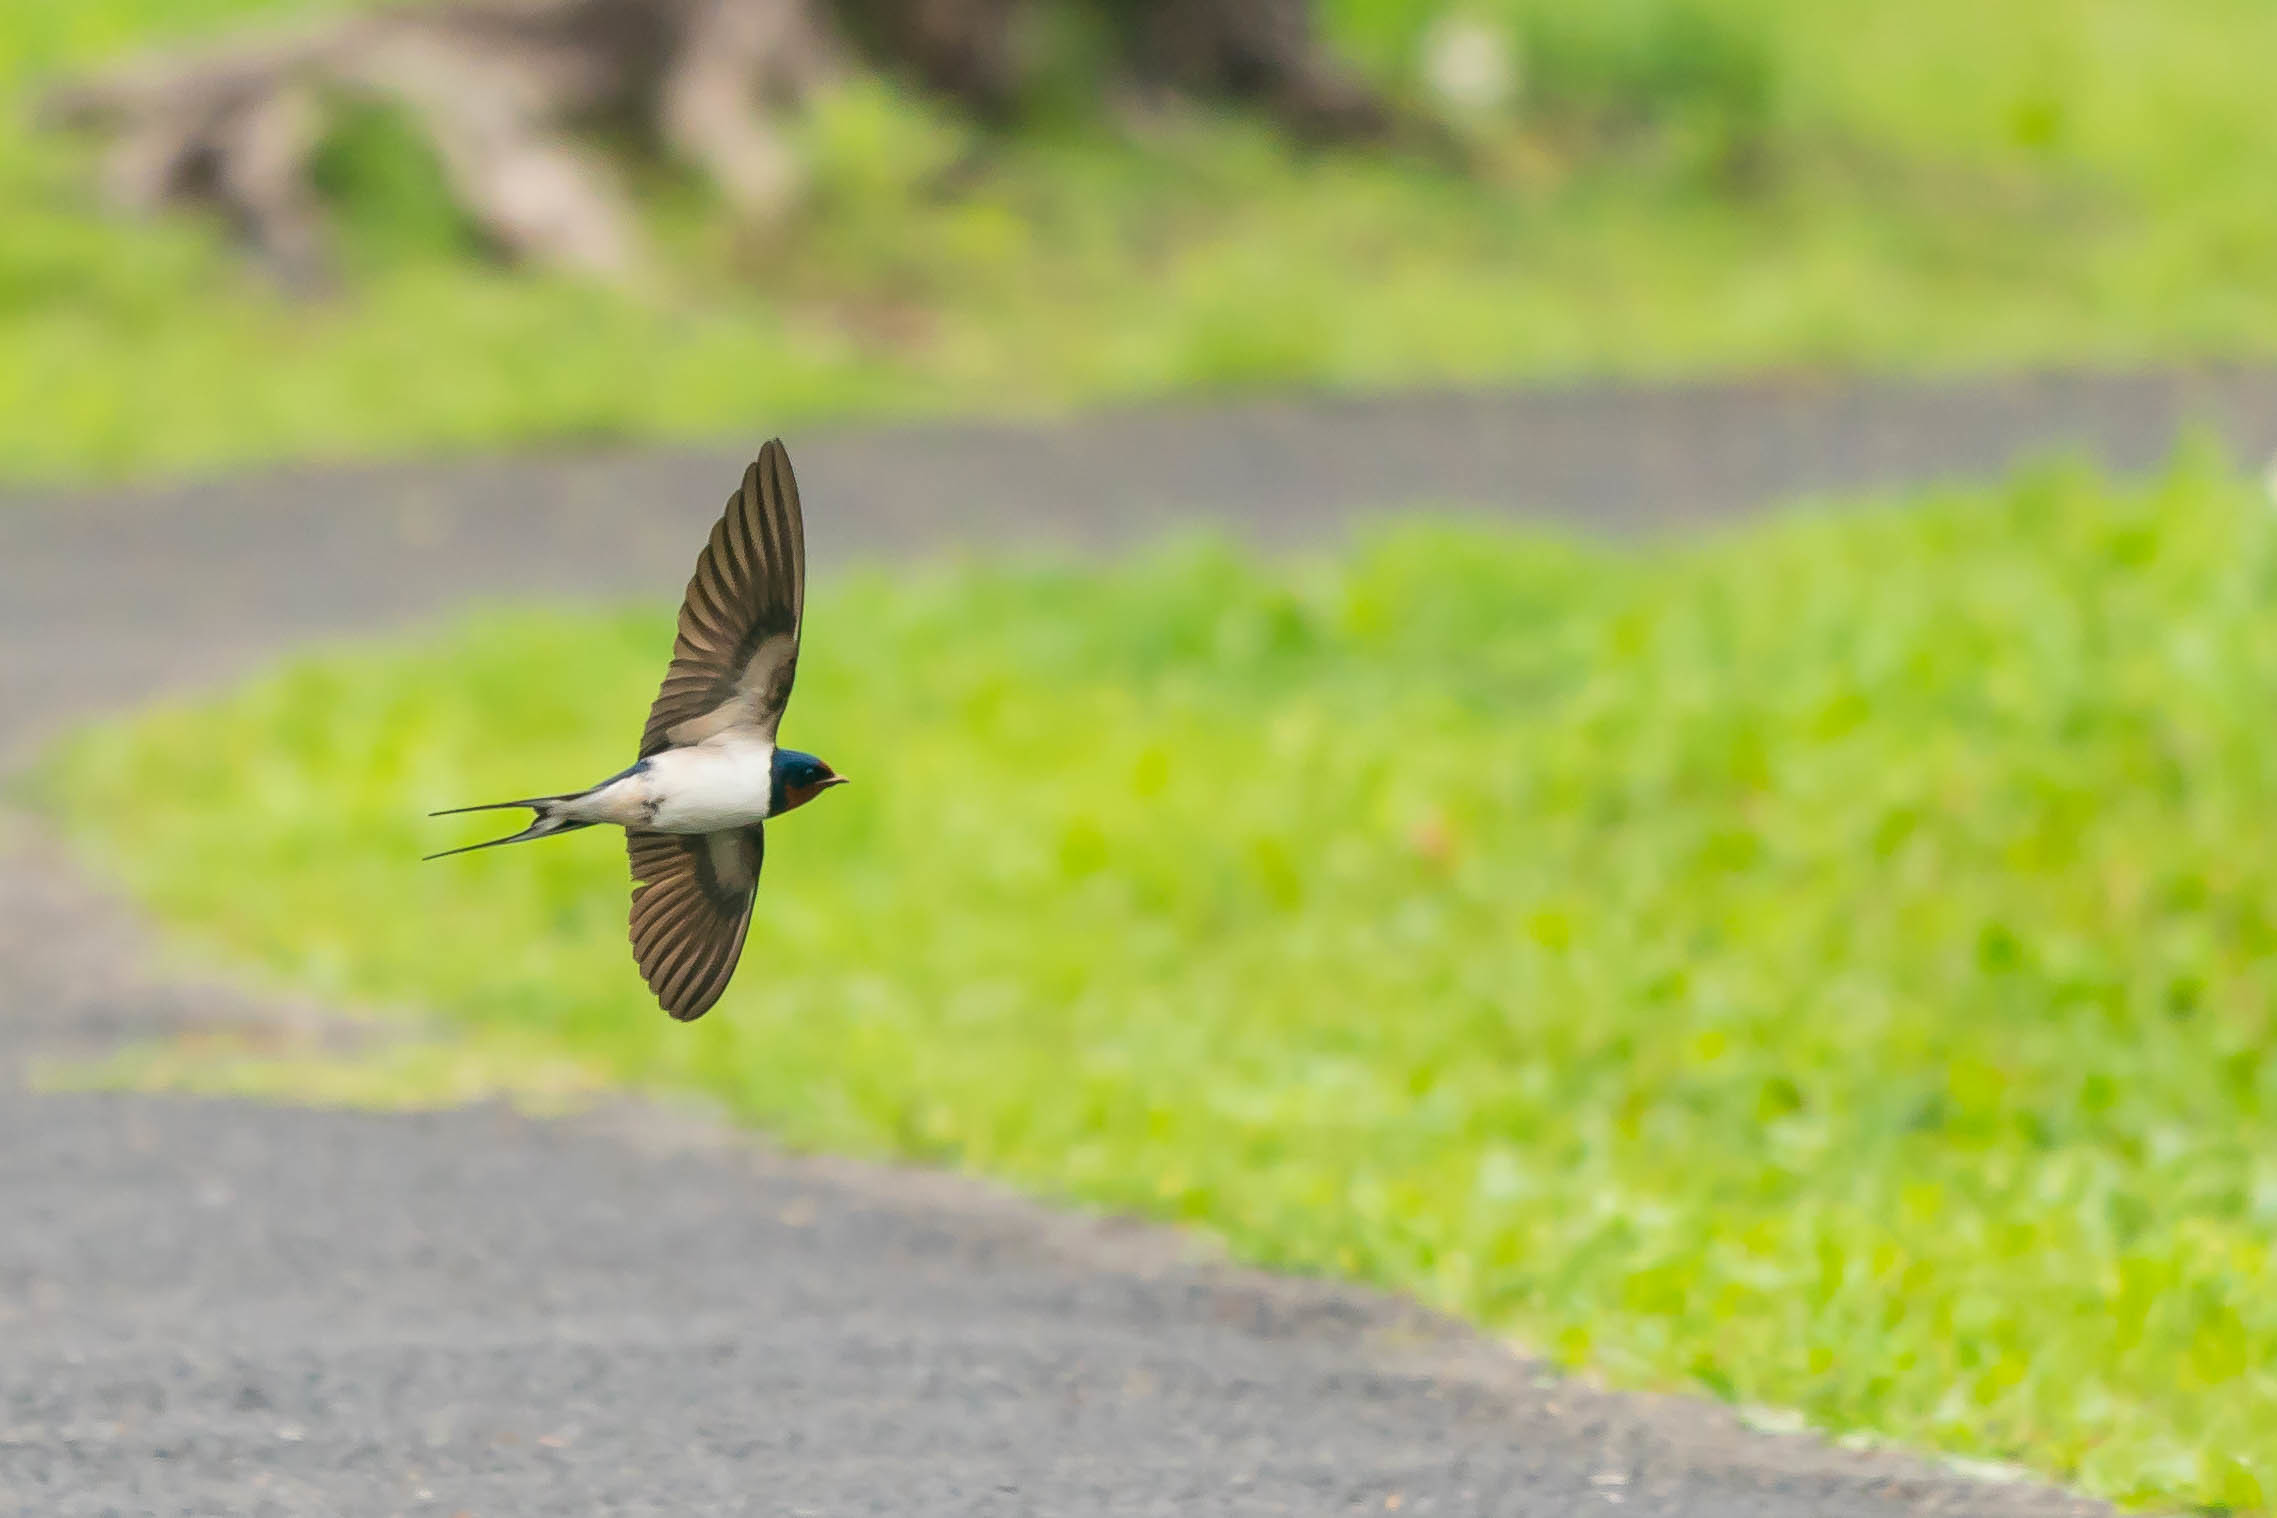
(216, 1308)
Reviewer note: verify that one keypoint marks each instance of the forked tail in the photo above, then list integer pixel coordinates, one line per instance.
(548, 822)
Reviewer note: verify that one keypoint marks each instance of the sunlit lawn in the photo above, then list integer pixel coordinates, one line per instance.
(1922, 184)
(1831, 966)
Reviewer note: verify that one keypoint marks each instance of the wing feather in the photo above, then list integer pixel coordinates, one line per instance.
(736, 653)
(691, 908)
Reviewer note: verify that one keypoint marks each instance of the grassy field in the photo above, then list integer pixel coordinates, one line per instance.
(1677, 187)
(1831, 966)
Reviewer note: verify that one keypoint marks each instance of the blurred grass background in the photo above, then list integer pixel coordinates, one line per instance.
(1673, 187)
(1830, 965)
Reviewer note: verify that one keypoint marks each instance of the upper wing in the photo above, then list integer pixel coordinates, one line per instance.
(738, 647)
(691, 906)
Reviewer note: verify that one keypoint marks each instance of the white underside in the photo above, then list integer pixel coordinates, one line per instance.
(712, 787)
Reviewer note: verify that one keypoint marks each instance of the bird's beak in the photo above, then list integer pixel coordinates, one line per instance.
(836, 780)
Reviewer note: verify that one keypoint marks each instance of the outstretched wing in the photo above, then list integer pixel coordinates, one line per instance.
(738, 646)
(690, 908)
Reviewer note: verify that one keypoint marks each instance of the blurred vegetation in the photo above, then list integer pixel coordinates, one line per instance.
(1662, 186)
(1831, 965)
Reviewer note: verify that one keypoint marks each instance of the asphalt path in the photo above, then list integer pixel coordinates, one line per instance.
(213, 1307)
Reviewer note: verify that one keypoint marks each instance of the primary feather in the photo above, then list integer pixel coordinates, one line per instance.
(737, 649)
(691, 908)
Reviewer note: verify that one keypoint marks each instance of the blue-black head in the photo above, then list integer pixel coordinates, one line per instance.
(798, 779)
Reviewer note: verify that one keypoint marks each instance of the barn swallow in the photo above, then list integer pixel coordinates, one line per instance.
(695, 803)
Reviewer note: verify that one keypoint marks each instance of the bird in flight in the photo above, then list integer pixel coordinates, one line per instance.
(695, 804)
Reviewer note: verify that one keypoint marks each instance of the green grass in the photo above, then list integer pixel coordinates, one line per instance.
(410, 1070)
(1831, 965)
(1678, 187)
